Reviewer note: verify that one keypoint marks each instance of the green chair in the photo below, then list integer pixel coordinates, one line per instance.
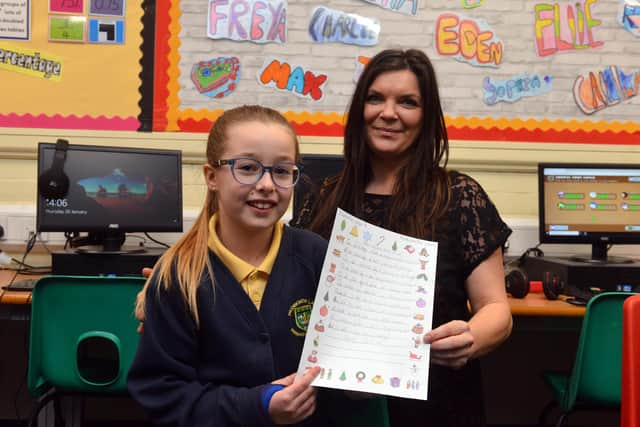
(594, 382)
(83, 336)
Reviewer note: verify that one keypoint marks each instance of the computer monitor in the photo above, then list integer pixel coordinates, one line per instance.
(595, 203)
(108, 191)
(315, 168)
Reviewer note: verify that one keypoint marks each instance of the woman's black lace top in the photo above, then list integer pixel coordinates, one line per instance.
(469, 233)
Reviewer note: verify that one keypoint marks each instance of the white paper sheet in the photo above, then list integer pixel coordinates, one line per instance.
(373, 305)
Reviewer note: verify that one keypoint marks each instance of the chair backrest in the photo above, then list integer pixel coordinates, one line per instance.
(596, 372)
(83, 333)
(630, 404)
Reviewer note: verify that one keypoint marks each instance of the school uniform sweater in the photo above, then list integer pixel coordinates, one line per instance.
(215, 375)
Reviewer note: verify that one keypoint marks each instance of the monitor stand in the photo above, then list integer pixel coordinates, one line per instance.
(104, 243)
(599, 256)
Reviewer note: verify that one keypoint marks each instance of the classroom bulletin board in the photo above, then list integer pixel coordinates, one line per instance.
(70, 64)
(508, 70)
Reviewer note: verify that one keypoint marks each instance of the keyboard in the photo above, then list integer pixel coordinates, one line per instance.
(22, 284)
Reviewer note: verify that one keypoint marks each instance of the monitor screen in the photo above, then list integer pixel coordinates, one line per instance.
(315, 168)
(597, 204)
(108, 191)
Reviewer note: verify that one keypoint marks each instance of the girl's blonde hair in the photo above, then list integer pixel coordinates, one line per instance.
(190, 254)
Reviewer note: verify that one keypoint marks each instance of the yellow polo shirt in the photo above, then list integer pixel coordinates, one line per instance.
(252, 279)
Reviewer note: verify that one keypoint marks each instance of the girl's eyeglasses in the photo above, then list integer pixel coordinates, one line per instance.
(249, 171)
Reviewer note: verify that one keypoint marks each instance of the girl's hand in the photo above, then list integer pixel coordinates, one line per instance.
(139, 312)
(296, 401)
(146, 271)
(451, 344)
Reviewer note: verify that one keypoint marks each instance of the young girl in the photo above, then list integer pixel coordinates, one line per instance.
(226, 308)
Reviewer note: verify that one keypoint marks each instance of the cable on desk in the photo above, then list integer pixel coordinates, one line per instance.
(148, 236)
(156, 241)
(30, 244)
(69, 236)
(533, 251)
(27, 269)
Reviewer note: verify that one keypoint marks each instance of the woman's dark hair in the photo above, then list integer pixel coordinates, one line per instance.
(421, 194)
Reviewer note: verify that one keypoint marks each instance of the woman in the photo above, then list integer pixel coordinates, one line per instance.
(395, 152)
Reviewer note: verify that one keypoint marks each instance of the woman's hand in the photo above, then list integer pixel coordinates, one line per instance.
(451, 344)
(454, 343)
(296, 401)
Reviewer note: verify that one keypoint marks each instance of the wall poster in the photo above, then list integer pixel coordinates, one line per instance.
(568, 75)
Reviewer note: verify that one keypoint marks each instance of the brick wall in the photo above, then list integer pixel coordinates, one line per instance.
(460, 84)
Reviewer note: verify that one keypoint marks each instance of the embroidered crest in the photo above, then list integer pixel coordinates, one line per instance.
(300, 312)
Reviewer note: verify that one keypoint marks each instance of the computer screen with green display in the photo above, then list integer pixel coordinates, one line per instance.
(590, 203)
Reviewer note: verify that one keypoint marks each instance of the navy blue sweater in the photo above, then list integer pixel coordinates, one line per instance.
(215, 375)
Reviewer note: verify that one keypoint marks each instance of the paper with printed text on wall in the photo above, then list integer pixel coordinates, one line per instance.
(373, 305)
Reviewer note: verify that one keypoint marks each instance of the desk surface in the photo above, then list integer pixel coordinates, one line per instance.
(13, 297)
(535, 304)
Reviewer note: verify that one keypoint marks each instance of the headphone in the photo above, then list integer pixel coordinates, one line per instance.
(516, 280)
(54, 183)
(551, 286)
(517, 283)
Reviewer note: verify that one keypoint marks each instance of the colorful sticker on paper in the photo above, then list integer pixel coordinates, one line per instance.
(468, 40)
(408, 7)
(515, 88)
(66, 28)
(295, 79)
(66, 6)
(107, 31)
(567, 26)
(258, 21)
(629, 16)
(601, 89)
(106, 7)
(330, 25)
(218, 77)
(29, 62)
